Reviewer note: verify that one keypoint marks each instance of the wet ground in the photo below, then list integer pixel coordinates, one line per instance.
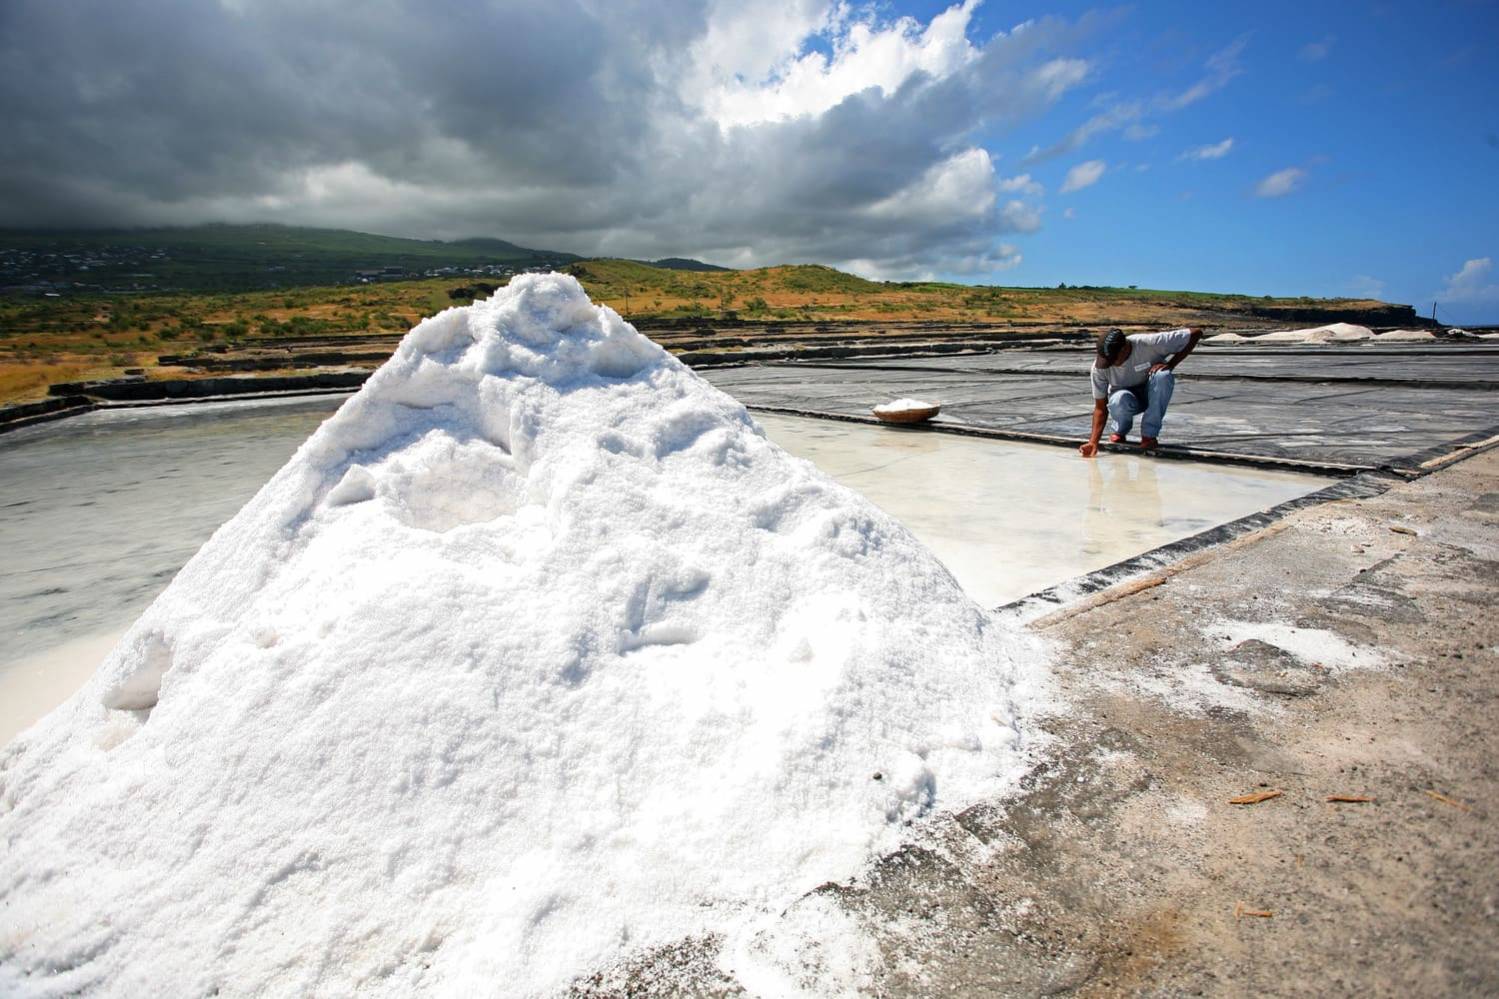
(1351, 406)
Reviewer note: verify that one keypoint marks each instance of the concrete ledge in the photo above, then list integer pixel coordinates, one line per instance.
(1053, 597)
(32, 413)
(198, 388)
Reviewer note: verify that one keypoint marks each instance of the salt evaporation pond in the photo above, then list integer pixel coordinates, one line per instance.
(536, 657)
(97, 513)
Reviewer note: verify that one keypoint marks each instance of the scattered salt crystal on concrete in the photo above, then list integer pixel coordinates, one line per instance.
(1313, 646)
(536, 655)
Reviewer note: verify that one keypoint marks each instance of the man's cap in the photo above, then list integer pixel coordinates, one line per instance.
(1111, 343)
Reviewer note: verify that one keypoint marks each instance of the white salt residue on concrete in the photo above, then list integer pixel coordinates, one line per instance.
(1313, 646)
(1185, 811)
(536, 655)
(1189, 688)
(1194, 688)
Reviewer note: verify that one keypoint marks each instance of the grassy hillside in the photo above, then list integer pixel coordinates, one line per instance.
(810, 292)
(49, 340)
(210, 258)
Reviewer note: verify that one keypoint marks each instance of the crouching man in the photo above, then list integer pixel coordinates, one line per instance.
(1133, 375)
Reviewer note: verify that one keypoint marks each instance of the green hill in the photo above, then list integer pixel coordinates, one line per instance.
(217, 257)
(686, 264)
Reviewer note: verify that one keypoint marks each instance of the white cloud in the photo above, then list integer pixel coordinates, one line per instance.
(1470, 284)
(1022, 184)
(1280, 183)
(740, 131)
(1364, 286)
(1083, 175)
(1069, 214)
(1127, 116)
(1213, 151)
(958, 188)
(1221, 67)
(1316, 51)
(865, 54)
(1020, 216)
(1111, 120)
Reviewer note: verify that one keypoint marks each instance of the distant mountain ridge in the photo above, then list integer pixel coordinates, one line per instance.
(232, 257)
(683, 264)
(228, 257)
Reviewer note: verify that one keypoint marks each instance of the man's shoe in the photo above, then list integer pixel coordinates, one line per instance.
(1116, 438)
(1148, 443)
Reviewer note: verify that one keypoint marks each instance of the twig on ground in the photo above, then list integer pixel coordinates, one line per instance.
(1439, 796)
(1254, 797)
(1241, 910)
(1349, 798)
(1127, 589)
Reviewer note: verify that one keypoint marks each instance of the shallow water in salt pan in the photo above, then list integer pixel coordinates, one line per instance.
(98, 512)
(1009, 519)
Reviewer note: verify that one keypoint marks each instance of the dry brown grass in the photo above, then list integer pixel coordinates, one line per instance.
(47, 341)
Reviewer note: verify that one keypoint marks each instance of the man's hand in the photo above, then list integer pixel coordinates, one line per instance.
(1159, 366)
(1088, 450)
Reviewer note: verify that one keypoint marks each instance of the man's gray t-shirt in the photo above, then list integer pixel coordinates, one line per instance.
(1146, 351)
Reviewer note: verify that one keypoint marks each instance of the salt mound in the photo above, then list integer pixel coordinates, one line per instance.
(1331, 333)
(1226, 338)
(535, 655)
(1345, 332)
(1405, 336)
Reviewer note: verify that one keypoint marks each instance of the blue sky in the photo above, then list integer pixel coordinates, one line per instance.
(1270, 148)
(1388, 109)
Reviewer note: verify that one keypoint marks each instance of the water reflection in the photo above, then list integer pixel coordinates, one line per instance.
(1122, 492)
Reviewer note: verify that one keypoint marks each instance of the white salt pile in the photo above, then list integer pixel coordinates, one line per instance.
(1331, 333)
(1406, 336)
(905, 406)
(536, 655)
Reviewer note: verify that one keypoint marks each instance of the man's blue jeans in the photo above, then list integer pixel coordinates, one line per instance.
(1125, 405)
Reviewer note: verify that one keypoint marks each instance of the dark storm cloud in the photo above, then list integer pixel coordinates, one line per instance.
(571, 124)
